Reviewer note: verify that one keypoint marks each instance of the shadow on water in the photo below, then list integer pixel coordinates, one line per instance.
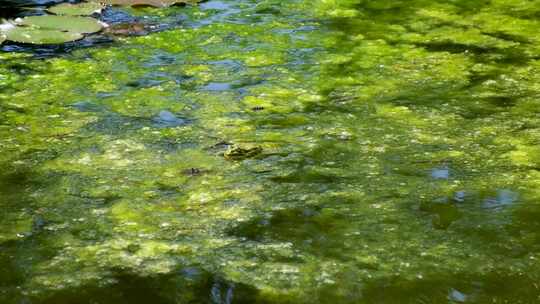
(460, 287)
(49, 51)
(9, 11)
(16, 184)
(17, 181)
(188, 285)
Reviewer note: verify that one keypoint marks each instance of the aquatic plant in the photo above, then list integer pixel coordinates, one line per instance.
(49, 29)
(68, 22)
(396, 157)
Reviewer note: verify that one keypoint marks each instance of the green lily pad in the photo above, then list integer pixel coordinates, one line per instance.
(79, 9)
(154, 3)
(40, 36)
(73, 24)
(49, 29)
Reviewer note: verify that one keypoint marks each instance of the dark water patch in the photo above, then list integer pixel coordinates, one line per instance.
(98, 199)
(11, 276)
(338, 102)
(508, 37)
(308, 176)
(116, 16)
(161, 58)
(502, 101)
(456, 287)
(449, 288)
(155, 79)
(481, 54)
(188, 285)
(526, 224)
(476, 79)
(167, 190)
(116, 124)
(20, 176)
(25, 68)
(15, 256)
(9, 11)
(311, 229)
(478, 108)
(405, 170)
(15, 180)
(144, 83)
(87, 106)
(277, 121)
(455, 48)
(443, 212)
(513, 56)
(172, 145)
(51, 51)
(464, 6)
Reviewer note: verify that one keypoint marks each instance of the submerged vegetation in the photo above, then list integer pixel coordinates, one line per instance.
(242, 151)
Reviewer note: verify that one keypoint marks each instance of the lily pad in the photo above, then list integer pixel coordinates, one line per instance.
(154, 3)
(41, 36)
(79, 9)
(49, 29)
(74, 24)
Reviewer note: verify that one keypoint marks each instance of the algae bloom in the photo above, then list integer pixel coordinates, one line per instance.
(241, 151)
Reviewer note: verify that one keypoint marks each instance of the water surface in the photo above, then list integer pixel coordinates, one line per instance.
(400, 159)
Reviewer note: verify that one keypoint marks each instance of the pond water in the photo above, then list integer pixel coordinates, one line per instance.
(390, 154)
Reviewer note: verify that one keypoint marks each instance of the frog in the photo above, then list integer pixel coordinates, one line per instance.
(236, 152)
(130, 29)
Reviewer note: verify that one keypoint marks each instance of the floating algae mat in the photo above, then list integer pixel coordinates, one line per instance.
(319, 151)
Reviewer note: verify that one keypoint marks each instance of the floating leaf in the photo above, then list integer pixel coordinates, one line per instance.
(49, 29)
(155, 3)
(74, 24)
(41, 36)
(79, 9)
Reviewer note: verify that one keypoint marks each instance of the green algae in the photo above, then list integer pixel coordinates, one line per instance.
(399, 158)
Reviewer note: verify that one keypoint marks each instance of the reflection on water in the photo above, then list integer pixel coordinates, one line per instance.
(443, 173)
(504, 197)
(217, 86)
(397, 157)
(168, 120)
(216, 5)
